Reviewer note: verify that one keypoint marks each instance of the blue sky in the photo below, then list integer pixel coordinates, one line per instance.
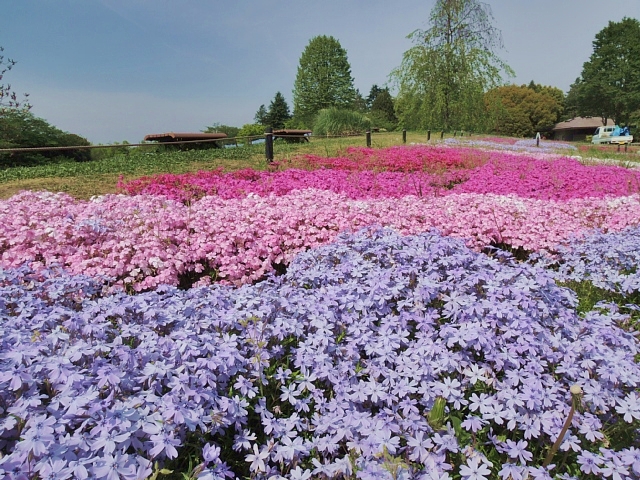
(113, 70)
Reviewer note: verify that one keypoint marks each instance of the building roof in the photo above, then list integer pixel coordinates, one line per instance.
(177, 137)
(582, 122)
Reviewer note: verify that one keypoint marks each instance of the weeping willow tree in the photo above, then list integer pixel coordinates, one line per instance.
(443, 77)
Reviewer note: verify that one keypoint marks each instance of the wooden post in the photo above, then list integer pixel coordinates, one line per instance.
(368, 138)
(441, 135)
(625, 147)
(404, 135)
(618, 147)
(268, 144)
(428, 135)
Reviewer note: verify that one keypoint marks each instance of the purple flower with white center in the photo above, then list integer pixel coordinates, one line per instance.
(420, 445)
(589, 462)
(55, 470)
(518, 450)
(257, 458)
(475, 469)
(299, 474)
(109, 441)
(629, 407)
(114, 467)
(164, 444)
(473, 423)
(511, 471)
(289, 394)
(614, 467)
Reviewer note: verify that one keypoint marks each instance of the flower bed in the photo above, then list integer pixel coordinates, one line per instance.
(146, 241)
(377, 356)
(424, 171)
(419, 350)
(528, 145)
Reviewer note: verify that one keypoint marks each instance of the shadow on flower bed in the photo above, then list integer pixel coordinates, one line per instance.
(375, 354)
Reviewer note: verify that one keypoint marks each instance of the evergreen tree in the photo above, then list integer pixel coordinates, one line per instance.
(262, 116)
(359, 103)
(373, 93)
(278, 112)
(323, 79)
(383, 103)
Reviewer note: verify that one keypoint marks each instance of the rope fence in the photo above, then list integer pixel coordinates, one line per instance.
(268, 137)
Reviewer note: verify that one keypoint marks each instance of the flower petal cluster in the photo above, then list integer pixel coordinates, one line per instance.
(607, 260)
(423, 171)
(333, 368)
(145, 241)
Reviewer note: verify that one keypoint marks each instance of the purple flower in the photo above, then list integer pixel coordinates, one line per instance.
(257, 458)
(475, 469)
(519, 451)
(164, 443)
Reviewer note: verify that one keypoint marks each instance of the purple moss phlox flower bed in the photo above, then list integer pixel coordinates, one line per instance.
(340, 367)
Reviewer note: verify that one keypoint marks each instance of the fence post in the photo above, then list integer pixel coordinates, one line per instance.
(618, 147)
(368, 138)
(268, 144)
(441, 135)
(625, 147)
(428, 135)
(404, 135)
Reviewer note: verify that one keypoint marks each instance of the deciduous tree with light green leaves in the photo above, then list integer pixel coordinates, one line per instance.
(521, 111)
(444, 76)
(609, 85)
(323, 80)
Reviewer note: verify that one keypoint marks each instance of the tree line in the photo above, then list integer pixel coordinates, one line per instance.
(453, 79)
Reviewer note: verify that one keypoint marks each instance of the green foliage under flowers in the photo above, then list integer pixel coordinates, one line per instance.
(590, 295)
(336, 121)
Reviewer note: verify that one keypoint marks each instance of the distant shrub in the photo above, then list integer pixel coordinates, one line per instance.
(336, 121)
(251, 130)
(380, 120)
(20, 129)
